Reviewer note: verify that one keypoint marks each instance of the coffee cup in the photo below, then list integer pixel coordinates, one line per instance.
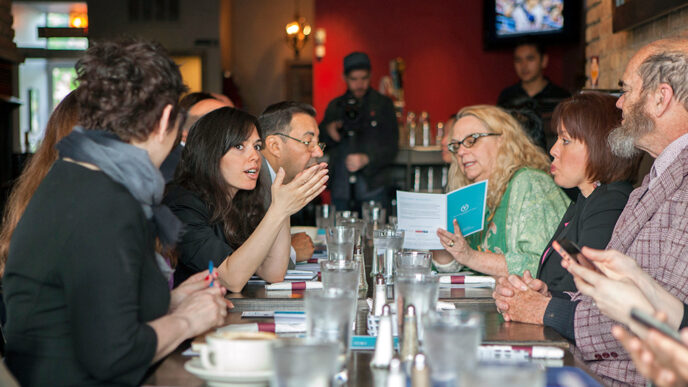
(238, 351)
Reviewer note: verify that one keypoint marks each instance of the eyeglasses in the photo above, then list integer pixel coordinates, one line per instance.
(468, 141)
(310, 144)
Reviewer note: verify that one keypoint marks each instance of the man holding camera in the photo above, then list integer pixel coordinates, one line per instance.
(361, 133)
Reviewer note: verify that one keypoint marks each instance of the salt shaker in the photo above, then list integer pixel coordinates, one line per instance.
(409, 344)
(397, 377)
(384, 344)
(379, 295)
(420, 373)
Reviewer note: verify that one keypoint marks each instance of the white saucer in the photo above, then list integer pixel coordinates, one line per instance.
(224, 378)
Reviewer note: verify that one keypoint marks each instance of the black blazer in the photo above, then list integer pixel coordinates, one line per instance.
(202, 240)
(587, 222)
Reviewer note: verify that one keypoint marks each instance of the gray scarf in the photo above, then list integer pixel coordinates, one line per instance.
(129, 166)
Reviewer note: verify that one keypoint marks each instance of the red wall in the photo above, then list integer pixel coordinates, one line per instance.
(440, 40)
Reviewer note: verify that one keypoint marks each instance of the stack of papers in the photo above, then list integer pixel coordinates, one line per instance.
(292, 275)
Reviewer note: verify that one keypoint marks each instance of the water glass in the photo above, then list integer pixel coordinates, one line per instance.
(450, 341)
(386, 243)
(524, 374)
(356, 224)
(413, 261)
(340, 243)
(329, 317)
(324, 216)
(304, 362)
(345, 215)
(340, 274)
(421, 291)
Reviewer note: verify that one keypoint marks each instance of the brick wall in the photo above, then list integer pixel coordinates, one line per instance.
(615, 50)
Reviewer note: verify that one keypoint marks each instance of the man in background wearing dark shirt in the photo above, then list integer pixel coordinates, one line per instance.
(530, 61)
(533, 91)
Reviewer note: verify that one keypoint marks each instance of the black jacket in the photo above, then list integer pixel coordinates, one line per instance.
(587, 222)
(202, 240)
(375, 132)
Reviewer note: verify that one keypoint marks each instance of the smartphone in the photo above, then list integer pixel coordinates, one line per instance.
(575, 252)
(650, 322)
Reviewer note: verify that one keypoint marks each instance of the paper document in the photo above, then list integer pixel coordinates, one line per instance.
(421, 214)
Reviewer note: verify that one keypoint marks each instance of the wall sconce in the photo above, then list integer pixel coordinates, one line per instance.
(320, 37)
(78, 20)
(298, 32)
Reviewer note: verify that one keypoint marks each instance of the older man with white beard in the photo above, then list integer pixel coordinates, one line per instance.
(653, 228)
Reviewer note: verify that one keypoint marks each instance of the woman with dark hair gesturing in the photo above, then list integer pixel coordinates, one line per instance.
(215, 195)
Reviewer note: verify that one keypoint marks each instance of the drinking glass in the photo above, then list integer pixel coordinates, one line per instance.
(413, 261)
(329, 317)
(386, 243)
(450, 341)
(340, 274)
(421, 291)
(304, 362)
(324, 216)
(345, 215)
(356, 224)
(340, 243)
(524, 374)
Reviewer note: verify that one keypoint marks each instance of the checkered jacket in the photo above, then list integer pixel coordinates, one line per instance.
(653, 229)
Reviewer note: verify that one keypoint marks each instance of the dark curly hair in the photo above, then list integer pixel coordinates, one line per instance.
(125, 85)
(210, 138)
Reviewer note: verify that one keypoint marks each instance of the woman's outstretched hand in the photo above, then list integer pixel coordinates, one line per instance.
(306, 186)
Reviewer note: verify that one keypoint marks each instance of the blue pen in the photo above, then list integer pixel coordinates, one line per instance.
(210, 273)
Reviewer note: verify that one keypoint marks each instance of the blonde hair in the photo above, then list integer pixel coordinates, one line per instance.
(515, 151)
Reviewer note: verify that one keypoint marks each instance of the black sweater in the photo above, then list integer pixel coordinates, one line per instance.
(80, 284)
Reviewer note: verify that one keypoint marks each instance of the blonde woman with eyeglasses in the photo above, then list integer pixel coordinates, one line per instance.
(524, 205)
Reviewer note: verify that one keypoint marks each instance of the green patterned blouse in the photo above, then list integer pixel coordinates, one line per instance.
(524, 221)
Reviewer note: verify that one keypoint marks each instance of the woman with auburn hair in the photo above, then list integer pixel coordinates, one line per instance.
(61, 122)
(582, 159)
(524, 205)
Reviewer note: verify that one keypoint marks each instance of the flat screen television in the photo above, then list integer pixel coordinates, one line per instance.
(507, 22)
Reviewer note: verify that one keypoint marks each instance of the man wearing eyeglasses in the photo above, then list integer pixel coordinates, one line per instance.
(290, 137)
(360, 129)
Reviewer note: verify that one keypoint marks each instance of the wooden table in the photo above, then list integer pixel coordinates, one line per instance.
(171, 371)
(255, 297)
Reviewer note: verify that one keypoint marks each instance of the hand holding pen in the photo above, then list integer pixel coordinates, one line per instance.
(196, 283)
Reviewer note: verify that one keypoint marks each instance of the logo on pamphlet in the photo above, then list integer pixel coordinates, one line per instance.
(465, 208)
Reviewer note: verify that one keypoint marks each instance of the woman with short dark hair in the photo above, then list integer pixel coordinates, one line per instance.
(87, 303)
(217, 196)
(583, 159)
